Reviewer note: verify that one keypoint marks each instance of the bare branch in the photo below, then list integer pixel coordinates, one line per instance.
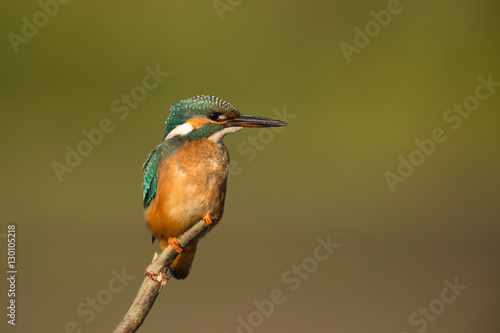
(156, 276)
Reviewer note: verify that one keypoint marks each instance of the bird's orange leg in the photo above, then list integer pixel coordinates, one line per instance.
(208, 220)
(175, 244)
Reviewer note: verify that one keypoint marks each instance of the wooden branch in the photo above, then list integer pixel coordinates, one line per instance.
(156, 276)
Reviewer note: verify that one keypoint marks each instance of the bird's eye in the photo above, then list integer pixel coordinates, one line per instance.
(213, 116)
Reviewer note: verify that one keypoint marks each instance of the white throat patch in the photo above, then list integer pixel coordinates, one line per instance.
(218, 136)
(180, 130)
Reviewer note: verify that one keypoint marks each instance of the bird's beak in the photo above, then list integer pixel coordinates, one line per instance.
(253, 121)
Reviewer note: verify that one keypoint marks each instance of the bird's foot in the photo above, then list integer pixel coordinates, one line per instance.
(175, 244)
(208, 220)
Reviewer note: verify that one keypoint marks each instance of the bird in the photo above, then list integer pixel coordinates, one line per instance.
(185, 176)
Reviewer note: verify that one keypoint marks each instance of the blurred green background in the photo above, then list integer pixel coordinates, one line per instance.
(321, 176)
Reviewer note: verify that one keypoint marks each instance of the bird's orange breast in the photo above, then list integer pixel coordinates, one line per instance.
(191, 183)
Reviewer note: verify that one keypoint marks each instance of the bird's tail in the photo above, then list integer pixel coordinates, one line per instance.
(182, 264)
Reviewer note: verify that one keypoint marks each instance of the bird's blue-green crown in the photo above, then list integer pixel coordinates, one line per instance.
(194, 106)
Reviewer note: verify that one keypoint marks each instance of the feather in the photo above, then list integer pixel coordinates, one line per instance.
(150, 168)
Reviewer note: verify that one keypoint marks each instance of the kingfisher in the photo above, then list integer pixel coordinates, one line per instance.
(185, 176)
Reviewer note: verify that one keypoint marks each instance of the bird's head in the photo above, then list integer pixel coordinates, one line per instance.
(211, 118)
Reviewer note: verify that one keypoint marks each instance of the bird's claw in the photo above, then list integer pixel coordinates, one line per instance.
(208, 220)
(175, 244)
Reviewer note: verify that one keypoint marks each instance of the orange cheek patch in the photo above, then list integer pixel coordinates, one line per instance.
(197, 122)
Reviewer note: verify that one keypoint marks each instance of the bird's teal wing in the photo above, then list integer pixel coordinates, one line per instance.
(150, 173)
(150, 168)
